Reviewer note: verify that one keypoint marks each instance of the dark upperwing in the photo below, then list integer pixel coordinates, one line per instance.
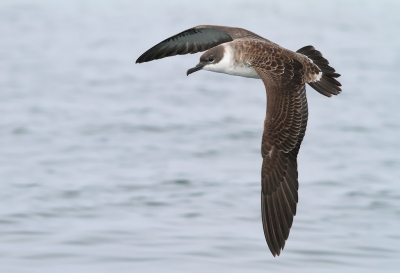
(193, 40)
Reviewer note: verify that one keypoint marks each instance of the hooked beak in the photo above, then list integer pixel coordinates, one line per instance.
(194, 69)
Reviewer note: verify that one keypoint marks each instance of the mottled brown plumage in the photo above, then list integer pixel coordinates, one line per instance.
(284, 74)
(284, 129)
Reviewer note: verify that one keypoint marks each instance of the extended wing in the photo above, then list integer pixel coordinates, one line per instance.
(284, 129)
(193, 40)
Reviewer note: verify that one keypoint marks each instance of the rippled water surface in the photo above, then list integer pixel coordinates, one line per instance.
(109, 166)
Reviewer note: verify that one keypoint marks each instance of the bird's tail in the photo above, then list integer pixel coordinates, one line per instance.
(327, 85)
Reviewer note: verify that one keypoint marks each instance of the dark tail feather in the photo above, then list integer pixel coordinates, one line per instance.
(327, 85)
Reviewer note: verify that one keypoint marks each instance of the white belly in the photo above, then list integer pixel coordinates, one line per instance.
(244, 71)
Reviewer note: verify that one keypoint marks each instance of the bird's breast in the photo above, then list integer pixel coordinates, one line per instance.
(243, 71)
(236, 70)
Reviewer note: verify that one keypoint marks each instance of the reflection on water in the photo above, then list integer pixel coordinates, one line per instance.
(108, 166)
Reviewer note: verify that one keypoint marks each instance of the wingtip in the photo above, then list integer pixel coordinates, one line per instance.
(143, 58)
(276, 253)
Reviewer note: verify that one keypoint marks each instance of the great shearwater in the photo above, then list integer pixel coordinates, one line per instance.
(239, 52)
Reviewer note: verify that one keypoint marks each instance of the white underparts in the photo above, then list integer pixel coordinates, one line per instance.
(228, 65)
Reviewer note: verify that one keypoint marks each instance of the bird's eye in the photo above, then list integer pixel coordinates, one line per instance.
(211, 59)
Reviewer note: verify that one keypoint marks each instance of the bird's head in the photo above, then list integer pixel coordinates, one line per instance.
(212, 60)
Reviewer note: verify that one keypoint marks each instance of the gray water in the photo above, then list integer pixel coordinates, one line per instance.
(109, 166)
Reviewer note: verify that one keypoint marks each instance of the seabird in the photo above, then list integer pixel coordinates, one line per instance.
(239, 52)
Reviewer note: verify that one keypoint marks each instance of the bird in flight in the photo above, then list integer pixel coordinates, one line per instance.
(239, 52)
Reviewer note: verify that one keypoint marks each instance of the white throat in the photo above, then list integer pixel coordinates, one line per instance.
(229, 65)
